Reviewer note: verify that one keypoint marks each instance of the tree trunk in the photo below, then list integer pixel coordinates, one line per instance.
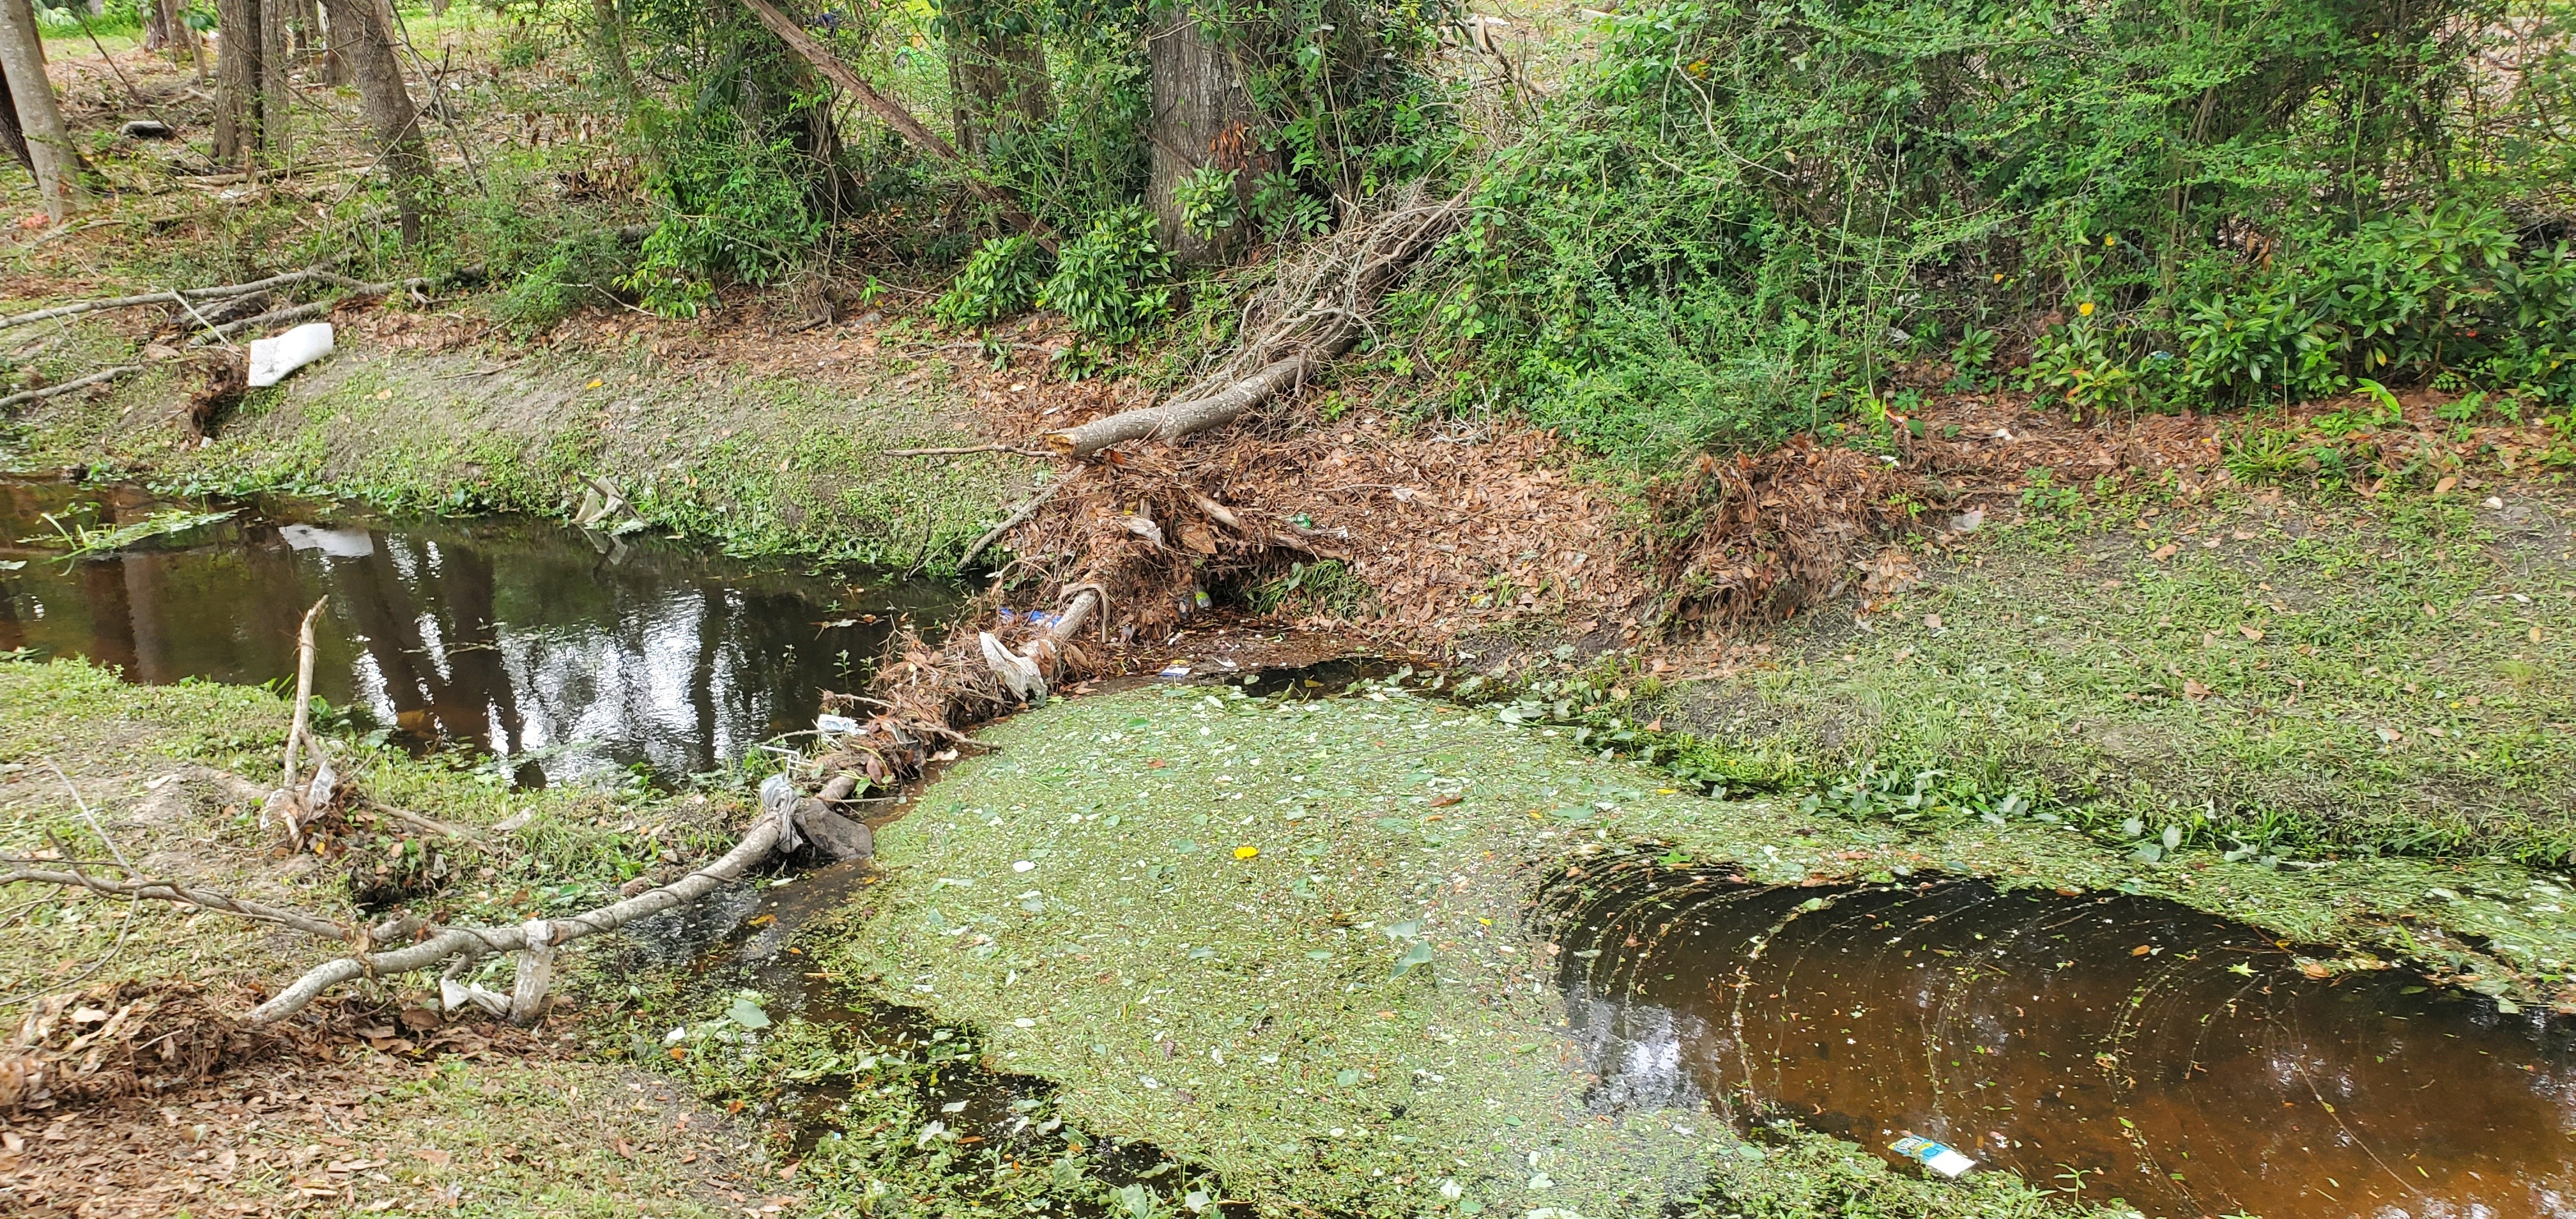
(276, 57)
(999, 82)
(156, 26)
(50, 155)
(237, 100)
(335, 66)
(12, 136)
(369, 48)
(824, 61)
(1202, 116)
(608, 35)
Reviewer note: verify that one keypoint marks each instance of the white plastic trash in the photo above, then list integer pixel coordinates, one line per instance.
(1942, 1159)
(272, 359)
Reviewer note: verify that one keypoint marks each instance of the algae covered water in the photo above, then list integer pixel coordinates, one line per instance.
(2104, 1045)
(560, 652)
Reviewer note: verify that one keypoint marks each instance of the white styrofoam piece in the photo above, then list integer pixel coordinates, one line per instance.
(272, 359)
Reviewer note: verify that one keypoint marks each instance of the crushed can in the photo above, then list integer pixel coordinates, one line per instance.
(1941, 1158)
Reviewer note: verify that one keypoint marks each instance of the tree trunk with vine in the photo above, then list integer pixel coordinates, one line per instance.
(1203, 116)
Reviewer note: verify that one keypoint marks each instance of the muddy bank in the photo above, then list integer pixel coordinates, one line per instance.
(1292, 941)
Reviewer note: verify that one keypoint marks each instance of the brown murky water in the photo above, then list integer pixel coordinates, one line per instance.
(2121, 1046)
(572, 654)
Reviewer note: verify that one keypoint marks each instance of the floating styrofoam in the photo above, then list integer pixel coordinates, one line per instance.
(272, 359)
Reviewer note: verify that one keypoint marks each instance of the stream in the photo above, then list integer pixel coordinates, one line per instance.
(2100, 1044)
(559, 654)
(2104, 1045)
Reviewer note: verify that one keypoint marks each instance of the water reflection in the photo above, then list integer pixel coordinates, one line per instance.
(2125, 1046)
(576, 653)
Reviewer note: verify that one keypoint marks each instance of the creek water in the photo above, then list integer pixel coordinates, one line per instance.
(561, 654)
(2122, 1046)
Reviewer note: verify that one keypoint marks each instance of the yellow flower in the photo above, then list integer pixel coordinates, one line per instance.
(2110, 239)
(1246, 852)
(2086, 309)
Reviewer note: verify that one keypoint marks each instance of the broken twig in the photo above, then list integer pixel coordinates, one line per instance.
(52, 391)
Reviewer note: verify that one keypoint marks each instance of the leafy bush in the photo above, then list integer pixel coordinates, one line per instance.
(1207, 201)
(1107, 282)
(581, 269)
(1747, 211)
(731, 207)
(1001, 280)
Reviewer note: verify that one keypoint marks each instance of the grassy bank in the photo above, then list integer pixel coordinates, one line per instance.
(761, 461)
(2267, 675)
(485, 1120)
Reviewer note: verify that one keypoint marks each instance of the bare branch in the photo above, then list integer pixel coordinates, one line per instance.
(53, 391)
(172, 891)
(778, 803)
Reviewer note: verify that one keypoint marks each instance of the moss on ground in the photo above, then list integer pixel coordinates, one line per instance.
(763, 464)
(1192, 911)
(2298, 678)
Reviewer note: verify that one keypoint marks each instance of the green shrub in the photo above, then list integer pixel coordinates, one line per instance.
(1745, 212)
(731, 208)
(1107, 281)
(1001, 280)
(581, 269)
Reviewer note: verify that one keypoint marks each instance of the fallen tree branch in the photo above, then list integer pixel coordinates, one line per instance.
(181, 296)
(173, 891)
(777, 801)
(1025, 512)
(972, 448)
(1318, 309)
(1173, 421)
(824, 61)
(310, 309)
(53, 391)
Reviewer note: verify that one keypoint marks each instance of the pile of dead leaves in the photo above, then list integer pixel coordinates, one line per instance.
(132, 1039)
(1749, 538)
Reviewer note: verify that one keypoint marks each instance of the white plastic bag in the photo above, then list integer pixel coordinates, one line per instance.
(272, 359)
